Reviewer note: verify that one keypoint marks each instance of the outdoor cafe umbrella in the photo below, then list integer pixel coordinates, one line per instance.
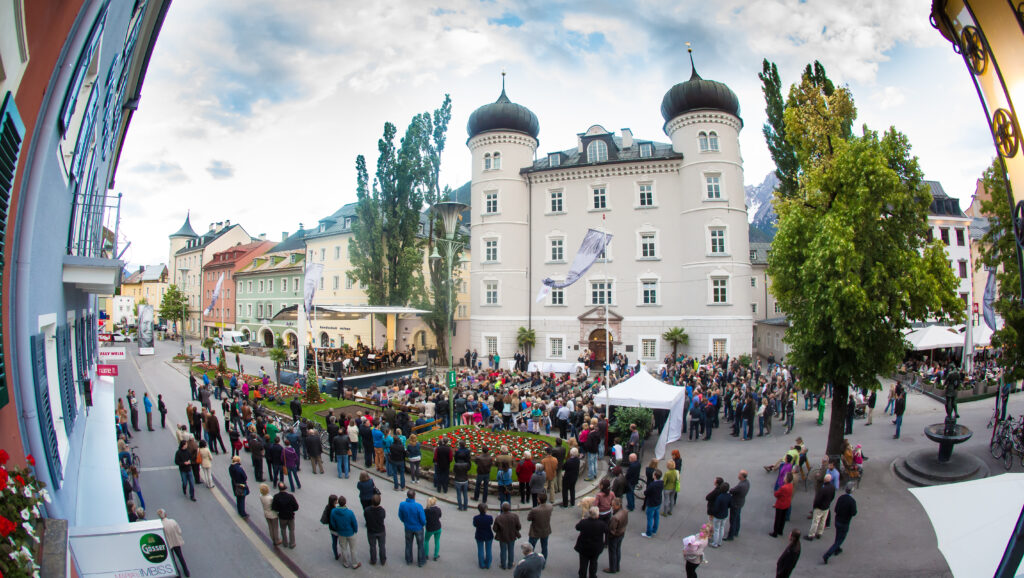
(934, 337)
(974, 520)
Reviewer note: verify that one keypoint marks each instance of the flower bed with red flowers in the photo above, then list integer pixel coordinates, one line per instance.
(478, 438)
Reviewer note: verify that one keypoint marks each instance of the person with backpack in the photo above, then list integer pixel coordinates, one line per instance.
(344, 525)
(291, 465)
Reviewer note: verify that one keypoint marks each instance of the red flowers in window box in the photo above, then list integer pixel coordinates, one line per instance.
(6, 526)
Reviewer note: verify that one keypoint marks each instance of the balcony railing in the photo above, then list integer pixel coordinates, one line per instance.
(95, 219)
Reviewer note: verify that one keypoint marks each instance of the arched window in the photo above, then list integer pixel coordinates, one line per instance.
(496, 164)
(597, 151)
(703, 138)
(713, 141)
(487, 162)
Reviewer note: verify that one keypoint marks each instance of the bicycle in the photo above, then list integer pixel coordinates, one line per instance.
(136, 460)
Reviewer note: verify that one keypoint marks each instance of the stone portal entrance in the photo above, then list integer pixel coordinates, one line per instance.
(598, 343)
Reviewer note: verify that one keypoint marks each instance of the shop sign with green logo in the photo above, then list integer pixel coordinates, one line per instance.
(153, 547)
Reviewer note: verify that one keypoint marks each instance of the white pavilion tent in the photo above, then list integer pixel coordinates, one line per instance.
(644, 390)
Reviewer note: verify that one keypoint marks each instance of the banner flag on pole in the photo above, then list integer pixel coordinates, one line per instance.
(216, 295)
(594, 243)
(988, 301)
(314, 272)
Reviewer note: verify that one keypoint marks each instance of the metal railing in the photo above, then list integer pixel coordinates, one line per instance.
(94, 227)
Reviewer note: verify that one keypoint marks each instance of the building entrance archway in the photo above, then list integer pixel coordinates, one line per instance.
(602, 344)
(267, 337)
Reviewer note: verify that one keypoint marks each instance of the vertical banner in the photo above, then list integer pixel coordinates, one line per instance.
(314, 271)
(145, 330)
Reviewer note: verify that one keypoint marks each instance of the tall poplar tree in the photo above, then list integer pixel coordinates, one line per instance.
(851, 264)
(386, 249)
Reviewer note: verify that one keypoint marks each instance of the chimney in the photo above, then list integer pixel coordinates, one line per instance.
(263, 237)
(227, 223)
(220, 225)
(213, 227)
(627, 138)
(284, 236)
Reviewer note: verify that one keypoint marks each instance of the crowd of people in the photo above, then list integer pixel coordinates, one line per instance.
(718, 390)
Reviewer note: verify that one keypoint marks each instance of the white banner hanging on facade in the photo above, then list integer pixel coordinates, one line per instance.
(989, 299)
(314, 272)
(594, 243)
(216, 295)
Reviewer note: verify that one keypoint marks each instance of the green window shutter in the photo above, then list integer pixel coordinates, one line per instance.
(67, 381)
(38, 346)
(12, 132)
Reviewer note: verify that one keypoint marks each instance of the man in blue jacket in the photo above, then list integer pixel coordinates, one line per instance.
(344, 526)
(414, 517)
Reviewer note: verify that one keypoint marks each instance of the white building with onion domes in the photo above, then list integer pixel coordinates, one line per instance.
(680, 253)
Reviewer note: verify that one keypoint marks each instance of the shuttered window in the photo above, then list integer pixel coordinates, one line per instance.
(12, 132)
(68, 397)
(38, 346)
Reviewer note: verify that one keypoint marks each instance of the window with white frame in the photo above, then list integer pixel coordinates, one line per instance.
(646, 195)
(248, 287)
(648, 246)
(558, 296)
(702, 139)
(717, 241)
(645, 150)
(713, 185)
(556, 347)
(337, 251)
(753, 307)
(321, 284)
(462, 310)
(600, 195)
(496, 161)
(713, 141)
(487, 161)
(719, 290)
(348, 222)
(597, 151)
(248, 309)
(490, 292)
(554, 160)
(491, 202)
(490, 250)
(649, 292)
(753, 281)
(778, 308)
(259, 310)
(649, 348)
(261, 286)
(337, 282)
(601, 292)
(556, 201)
(558, 249)
(239, 309)
(349, 281)
(491, 345)
(295, 283)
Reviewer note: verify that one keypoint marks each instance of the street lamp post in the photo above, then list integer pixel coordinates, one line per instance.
(450, 212)
(184, 271)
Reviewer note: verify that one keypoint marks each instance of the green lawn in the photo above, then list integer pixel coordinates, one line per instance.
(309, 410)
(427, 461)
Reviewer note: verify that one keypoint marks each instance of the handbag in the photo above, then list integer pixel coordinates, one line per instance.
(241, 490)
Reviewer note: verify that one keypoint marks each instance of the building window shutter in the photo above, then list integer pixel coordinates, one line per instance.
(12, 132)
(81, 367)
(38, 346)
(67, 382)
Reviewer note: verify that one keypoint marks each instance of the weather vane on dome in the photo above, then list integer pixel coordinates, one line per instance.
(689, 49)
(503, 79)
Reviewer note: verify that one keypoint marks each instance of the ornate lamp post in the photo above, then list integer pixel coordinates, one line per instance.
(184, 271)
(450, 212)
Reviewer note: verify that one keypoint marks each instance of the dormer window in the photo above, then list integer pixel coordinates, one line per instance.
(554, 159)
(323, 227)
(348, 222)
(597, 151)
(645, 150)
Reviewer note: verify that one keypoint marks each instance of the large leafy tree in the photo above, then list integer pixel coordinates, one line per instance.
(174, 305)
(385, 247)
(850, 264)
(775, 129)
(998, 251)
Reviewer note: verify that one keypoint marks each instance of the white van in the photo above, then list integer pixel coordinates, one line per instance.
(233, 338)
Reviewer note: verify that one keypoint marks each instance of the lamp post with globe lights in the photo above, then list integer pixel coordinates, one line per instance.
(450, 212)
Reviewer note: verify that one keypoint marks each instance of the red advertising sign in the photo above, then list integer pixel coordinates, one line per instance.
(106, 337)
(975, 308)
(110, 370)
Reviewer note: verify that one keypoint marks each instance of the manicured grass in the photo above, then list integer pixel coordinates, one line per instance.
(427, 460)
(309, 410)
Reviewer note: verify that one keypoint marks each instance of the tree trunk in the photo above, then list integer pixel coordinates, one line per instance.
(277, 370)
(837, 422)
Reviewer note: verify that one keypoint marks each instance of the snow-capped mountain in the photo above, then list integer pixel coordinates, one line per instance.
(760, 212)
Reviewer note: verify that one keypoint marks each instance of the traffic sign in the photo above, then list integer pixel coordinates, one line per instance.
(451, 380)
(110, 370)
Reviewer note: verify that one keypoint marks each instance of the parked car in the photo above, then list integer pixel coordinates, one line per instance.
(121, 337)
(232, 338)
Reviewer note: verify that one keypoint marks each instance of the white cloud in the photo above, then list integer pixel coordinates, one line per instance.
(288, 94)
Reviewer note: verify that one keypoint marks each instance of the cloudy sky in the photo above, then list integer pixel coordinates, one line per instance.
(255, 110)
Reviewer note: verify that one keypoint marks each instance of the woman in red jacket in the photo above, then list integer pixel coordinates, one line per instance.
(783, 501)
(524, 471)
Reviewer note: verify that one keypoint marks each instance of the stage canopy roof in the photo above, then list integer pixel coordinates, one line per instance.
(641, 390)
(346, 312)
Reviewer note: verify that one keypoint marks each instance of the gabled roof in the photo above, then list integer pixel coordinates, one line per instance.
(296, 240)
(153, 273)
(334, 224)
(186, 228)
(205, 240)
(978, 227)
(275, 261)
(133, 279)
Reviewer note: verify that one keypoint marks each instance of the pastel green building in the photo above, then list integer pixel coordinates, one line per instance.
(270, 283)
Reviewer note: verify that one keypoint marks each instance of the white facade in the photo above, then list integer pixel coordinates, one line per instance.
(679, 256)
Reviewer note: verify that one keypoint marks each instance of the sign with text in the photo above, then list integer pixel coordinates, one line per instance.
(110, 370)
(124, 551)
(106, 337)
(112, 353)
(451, 379)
